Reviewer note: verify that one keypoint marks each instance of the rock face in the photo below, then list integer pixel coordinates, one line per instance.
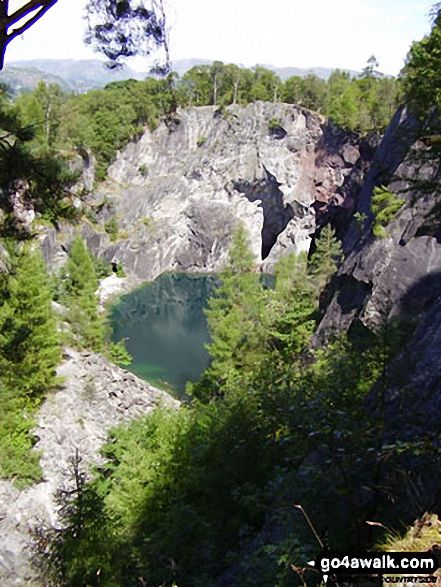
(400, 274)
(180, 191)
(95, 396)
(403, 270)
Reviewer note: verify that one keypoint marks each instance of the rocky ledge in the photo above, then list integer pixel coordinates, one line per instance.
(94, 397)
(179, 192)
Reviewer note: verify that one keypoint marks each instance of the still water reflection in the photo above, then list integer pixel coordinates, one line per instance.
(165, 328)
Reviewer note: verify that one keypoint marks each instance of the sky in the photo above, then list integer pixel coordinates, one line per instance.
(299, 33)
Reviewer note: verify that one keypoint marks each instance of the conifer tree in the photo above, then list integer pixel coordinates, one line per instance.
(385, 205)
(29, 344)
(327, 256)
(422, 72)
(234, 316)
(292, 306)
(29, 354)
(87, 326)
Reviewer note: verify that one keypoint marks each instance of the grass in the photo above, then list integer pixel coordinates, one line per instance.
(421, 537)
(17, 461)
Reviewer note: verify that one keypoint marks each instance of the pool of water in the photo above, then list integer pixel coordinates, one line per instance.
(165, 329)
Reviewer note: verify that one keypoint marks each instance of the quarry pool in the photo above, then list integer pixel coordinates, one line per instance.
(165, 329)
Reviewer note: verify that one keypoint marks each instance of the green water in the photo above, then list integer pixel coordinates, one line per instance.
(165, 329)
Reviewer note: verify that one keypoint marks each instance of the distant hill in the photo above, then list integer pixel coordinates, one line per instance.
(72, 75)
(80, 76)
(183, 65)
(24, 79)
(323, 72)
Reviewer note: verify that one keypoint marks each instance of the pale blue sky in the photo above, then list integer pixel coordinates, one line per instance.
(301, 33)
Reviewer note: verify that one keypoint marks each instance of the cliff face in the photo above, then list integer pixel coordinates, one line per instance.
(400, 272)
(400, 275)
(95, 397)
(180, 191)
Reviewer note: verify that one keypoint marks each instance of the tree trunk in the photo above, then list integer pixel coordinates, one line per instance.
(236, 87)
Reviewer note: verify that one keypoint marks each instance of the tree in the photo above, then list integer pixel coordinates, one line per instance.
(265, 85)
(387, 97)
(371, 66)
(292, 91)
(87, 326)
(327, 256)
(422, 72)
(41, 110)
(125, 28)
(217, 71)
(234, 317)
(343, 100)
(34, 9)
(314, 92)
(291, 309)
(385, 205)
(233, 79)
(198, 84)
(29, 354)
(117, 28)
(30, 348)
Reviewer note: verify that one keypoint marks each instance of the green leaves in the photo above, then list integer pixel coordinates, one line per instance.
(385, 205)
(326, 257)
(422, 72)
(29, 354)
(81, 285)
(234, 319)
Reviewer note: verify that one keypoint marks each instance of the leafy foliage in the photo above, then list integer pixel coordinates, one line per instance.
(204, 495)
(195, 495)
(326, 257)
(384, 206)
(29, 355)
(421, 74)
(29, 165)
(123, 28)
(81, 284)
(104, 121)
(76, 286)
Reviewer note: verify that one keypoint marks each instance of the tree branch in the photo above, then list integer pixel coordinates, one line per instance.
(7, 20)
(10, 19)
(16, 32)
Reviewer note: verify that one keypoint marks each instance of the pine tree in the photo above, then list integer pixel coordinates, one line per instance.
(292, 306)
(422, 72)
(87, 326)
(29, 344)
(385, 205)
(29, 354)
(234, 317)
(327, 256)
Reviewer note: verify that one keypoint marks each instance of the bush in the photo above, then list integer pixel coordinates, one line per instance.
(112, 228)
(143, 170)
(384, 206)
(117, 353)
(274, 123)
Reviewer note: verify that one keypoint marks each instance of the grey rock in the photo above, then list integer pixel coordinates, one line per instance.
(95, 397)
(180, 191)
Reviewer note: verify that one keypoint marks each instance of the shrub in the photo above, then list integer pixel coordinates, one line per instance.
(384, 206)
(112, 228)
(274, 123)
(143, 170)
